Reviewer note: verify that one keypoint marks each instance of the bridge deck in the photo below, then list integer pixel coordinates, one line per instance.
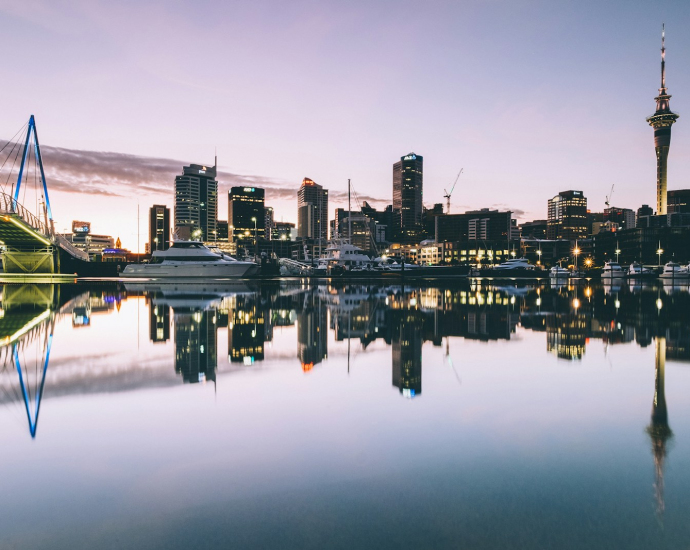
(16, 233)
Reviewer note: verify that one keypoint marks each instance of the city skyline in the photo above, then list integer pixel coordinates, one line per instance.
(540, 84)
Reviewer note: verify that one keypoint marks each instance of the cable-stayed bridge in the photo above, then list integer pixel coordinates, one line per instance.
(28, 238)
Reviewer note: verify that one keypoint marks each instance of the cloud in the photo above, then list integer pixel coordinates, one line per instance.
(124, 175)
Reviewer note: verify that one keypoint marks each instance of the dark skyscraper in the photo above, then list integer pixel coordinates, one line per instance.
(196, 203)
(661, 121)
(312, 211)
(567, 216)
(408, 179)
(159, 228)
(245, 207)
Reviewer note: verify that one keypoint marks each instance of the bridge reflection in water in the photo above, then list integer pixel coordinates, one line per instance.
(188, 317)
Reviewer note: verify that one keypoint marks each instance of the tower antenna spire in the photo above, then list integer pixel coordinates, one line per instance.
(663, 57)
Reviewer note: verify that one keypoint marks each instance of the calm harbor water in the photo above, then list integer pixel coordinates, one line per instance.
(290, 416)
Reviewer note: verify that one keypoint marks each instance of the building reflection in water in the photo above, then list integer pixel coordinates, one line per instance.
(659, 430)
(246, 329)
(159, 323)
(407, 352)
(196, 346)
(312, 331)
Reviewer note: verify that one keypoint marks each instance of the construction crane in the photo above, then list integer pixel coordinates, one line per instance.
(608, 197)
(447, 194)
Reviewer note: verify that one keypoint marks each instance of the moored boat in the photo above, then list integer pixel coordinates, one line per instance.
(638, 271)
(674, 272)
(186, 259)
(612, 270)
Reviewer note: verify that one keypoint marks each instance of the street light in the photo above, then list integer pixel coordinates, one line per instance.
(576, 253)
(618, 251)
(588, 262)
(659, 252)
(256, 241)
(539, 257)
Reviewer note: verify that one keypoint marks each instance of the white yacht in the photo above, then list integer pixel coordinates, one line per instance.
(638, 271)
(612, 270)
(191, 259)
(558, 272)
(674, 271)
(347, 256)
(515, 263)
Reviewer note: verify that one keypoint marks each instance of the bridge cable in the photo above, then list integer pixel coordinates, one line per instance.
(3, 165)
(14, 145)
(13, 163)
(11, 140)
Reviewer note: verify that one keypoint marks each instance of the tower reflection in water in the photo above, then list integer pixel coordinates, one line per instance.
(659, 430)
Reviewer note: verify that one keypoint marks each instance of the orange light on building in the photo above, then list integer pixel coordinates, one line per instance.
(306, 367)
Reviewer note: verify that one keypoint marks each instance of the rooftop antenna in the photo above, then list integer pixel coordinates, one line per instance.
(663, 58)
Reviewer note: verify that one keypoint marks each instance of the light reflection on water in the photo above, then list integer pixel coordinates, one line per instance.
(340, 416)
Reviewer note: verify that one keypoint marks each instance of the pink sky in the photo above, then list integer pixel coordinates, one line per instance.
(530, 97)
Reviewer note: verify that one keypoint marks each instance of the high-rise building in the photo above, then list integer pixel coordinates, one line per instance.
(312, 211)
(159, 228)
(196, 203)
(567, 216)
(408, 179)
(661, 121)
(246, 213)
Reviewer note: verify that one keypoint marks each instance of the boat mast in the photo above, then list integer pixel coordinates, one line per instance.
(349, 213)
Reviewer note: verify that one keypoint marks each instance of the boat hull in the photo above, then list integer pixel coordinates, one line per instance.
(216, 270)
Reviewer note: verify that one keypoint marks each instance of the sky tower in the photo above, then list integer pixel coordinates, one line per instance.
(661, 121)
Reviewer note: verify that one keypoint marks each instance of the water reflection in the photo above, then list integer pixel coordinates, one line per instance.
(187, 327)
(659, 430)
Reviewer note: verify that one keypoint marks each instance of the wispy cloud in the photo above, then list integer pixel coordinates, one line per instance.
(123, 175)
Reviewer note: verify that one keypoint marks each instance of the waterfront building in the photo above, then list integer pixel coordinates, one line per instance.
(312, 211)
(223, 233)
(567, 216)
(678, 201)
(533, 230)
(82, 238)
(196, 203)
(474, 225)
(159, 228)
(624, 218)
(283, 231)
(246, 213)
(661, 121)
(408, 181)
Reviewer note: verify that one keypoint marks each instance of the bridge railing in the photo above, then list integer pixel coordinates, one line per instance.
(10, 206)
(69, 247)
